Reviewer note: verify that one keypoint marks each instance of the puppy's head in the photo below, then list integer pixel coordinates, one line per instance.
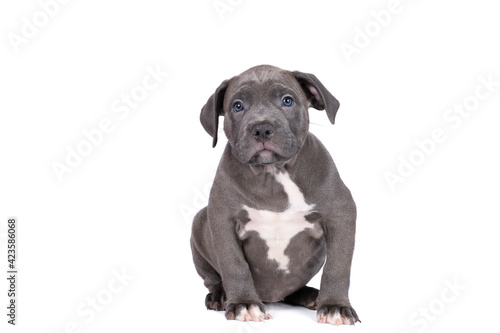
(265, 112)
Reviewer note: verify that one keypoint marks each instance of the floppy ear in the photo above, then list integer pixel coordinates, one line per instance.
(319, 97)
(211, 111)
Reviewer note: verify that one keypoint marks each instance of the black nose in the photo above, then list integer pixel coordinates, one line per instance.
(263, 132)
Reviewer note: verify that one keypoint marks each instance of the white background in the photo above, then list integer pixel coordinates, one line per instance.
(127, 206)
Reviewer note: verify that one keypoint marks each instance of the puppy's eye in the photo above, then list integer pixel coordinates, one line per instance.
(238, 106)
(287, 101)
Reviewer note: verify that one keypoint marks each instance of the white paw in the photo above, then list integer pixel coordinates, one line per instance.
(337, 315)
(246, 312)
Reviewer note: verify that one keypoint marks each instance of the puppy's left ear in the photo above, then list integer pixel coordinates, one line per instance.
(319, 97)
(209, 116)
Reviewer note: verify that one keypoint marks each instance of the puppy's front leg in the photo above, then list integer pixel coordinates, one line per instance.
(334, 306)
(242, 303)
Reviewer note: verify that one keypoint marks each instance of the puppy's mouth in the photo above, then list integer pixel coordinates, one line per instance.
(265, 153)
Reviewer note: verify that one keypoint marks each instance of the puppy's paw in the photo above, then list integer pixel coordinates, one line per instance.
(337, 315)
(247, 312)
(305, 296)
(216, 299)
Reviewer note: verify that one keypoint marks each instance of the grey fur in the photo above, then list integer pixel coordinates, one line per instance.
(234, 264)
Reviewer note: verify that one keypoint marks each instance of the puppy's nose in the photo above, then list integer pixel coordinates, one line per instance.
(263, 132)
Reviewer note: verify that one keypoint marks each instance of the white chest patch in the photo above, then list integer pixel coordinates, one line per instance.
(277, 229)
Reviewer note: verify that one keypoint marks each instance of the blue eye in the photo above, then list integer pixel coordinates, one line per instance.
(287, 101)
(238, 106)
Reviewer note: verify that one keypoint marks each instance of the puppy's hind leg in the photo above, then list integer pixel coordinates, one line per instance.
(216, 298)
(305, 296)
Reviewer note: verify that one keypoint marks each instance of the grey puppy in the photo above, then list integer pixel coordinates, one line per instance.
(278, 210)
